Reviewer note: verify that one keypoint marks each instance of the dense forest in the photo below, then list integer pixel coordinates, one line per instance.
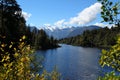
(103, 37)
(13, 27)
(40, 40)
(18, 43)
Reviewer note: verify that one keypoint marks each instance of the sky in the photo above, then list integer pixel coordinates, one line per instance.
(61, 13)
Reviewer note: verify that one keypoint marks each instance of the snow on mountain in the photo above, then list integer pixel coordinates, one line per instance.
(66, 31)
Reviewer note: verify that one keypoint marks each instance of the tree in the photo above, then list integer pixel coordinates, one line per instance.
(26, 65)
(12, 22)
(41, 40)
(110, 12)
(111, 58)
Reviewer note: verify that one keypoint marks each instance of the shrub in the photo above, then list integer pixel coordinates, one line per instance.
(19, 68)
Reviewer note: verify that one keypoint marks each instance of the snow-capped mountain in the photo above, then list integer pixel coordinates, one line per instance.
(66, 32)
(58, 33)
(80, 30)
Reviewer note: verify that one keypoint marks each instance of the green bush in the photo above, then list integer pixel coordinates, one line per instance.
(19, 68)
(111, 58)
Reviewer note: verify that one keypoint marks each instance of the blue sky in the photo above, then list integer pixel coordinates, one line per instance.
(60, 12)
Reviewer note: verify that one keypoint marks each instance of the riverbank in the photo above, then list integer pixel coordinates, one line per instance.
(89, 46)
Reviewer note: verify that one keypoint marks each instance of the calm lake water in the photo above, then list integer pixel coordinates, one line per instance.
(74, 63)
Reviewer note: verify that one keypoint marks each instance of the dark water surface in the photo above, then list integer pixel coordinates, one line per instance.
(74, 63)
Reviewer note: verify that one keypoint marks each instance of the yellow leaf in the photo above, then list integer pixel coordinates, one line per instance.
(7, 58)
(16, 54)
(5, 65)
(2, 45)
(20, 39)
(14, 49)
(10, 46)
(23, 37)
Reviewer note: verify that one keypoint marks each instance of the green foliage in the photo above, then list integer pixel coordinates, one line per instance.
(103, 37)
(13, 23)
(16, 56)
(42, 41)
(112, 57)
(95, 38)
(110, 11)
(13, 26)
(110, 76)
(19, 68)
(54, 75)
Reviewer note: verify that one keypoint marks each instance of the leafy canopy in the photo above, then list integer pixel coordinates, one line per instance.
(112, 57)
(110, 11)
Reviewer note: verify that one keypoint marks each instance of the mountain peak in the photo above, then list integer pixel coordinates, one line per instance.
(52, 28)
(67, 31)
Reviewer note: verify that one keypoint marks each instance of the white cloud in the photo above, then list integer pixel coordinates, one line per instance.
(57, 25)
(87, 15)
(47, 24)
(60, 22)
(104, 25)
(26, 15)
(100, 24)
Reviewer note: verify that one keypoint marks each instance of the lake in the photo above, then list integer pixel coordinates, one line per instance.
(73, 62)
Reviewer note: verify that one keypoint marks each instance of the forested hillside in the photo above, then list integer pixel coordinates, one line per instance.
(103, 37)
(13, 27)
(17, 45)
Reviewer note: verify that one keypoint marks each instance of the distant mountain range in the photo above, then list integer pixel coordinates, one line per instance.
(68, 31)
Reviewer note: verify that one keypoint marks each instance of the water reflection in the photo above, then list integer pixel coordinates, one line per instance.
(74, 63)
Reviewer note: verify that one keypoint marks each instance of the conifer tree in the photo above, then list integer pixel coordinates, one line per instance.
(12, 22)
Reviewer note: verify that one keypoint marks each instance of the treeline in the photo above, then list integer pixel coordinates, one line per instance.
(17, 40)
(103, 37)
(13, 27)
(40, 40)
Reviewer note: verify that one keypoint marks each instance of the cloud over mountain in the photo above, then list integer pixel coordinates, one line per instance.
(100, 24)
(26, 15)
(59, 23)
(87, 15)
(104, 25)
